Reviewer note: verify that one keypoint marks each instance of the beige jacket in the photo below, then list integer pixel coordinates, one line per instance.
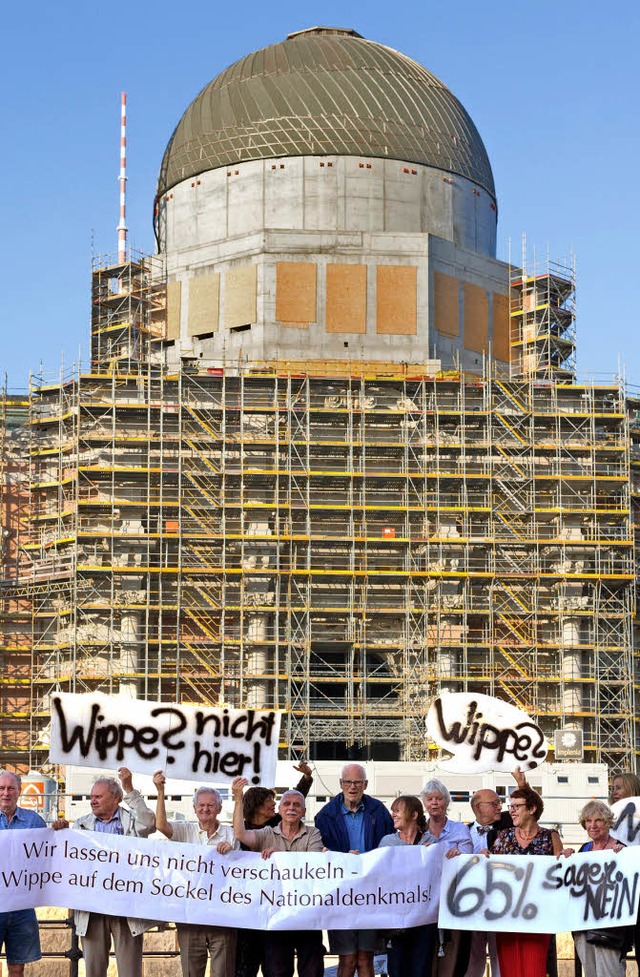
(138, 822)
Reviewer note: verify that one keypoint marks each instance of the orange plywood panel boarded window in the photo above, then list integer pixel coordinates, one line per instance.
(396, 300)
(346, 298)
(500, 334)
(240, 296)
(446, 304)
(296, 293)
(475, 318)
(204, 300)
(174, 300)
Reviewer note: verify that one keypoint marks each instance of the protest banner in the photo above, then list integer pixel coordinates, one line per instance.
(163, 880)
(541, 894)
(484, 733)
(94, 730)
(626, 827)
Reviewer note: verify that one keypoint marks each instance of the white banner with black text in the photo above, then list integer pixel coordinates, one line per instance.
(390, 888)
(91, 729)
(165, 880)
(540, 894)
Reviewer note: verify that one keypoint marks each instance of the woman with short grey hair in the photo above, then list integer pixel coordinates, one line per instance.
(597, 810)
(602, 952)
(436, 786)
(456, 839)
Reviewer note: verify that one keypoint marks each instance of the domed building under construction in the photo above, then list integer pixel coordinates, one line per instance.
(330, 456)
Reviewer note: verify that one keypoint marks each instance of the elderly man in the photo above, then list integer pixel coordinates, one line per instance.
(197, 942)
(18, 930)
(353, 822)
(291, 834)
(95, 929)
(489, 820)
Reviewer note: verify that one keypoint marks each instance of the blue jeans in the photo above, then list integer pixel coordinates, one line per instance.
(20, 935)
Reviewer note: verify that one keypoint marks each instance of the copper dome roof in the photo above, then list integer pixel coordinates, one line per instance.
(325, 91)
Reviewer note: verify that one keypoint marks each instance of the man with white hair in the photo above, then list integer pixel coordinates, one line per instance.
(97, 929)
(354, 822)
(198, 942)
(18, 930)
(292, 834)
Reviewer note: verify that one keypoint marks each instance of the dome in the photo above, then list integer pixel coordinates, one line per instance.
(325, 91)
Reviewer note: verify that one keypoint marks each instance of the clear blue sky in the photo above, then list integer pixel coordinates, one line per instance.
(552, 86)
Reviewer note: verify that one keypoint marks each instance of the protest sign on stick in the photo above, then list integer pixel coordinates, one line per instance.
(189, 742)
(484, 733)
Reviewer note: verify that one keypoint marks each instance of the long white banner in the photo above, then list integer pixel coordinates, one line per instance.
(540, 894)
(187, 742)
(164, 880)
(391, 888)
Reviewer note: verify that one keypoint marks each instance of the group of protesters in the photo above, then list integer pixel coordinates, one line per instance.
(352, 821)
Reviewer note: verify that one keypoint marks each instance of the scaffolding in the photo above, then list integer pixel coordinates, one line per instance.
(542, 316)
(633, 406)
(15, 608)
(340, 541)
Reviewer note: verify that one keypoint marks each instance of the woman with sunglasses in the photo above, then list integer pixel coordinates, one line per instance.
(525, 954)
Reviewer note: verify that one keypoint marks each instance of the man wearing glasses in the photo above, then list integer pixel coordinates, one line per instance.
(353, 822)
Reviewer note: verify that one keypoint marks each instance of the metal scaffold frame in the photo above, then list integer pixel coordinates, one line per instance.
(542, 315)
(337, 541)
(15, 610)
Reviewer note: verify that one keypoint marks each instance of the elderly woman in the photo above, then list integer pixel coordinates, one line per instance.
(456, 838)
(600, 961)
(525, 954)
(410, 951)
(455, 835)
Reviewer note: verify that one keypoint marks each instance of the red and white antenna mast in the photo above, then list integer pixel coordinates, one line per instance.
(122, 179)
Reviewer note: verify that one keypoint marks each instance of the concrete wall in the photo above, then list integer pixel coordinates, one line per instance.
(334, 193)
(315, 294)
(332, 258)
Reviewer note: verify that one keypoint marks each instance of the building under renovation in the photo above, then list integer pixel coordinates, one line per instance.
(329, 455)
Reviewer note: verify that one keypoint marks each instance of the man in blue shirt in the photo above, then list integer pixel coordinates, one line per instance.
(353, 822)
(18, 930)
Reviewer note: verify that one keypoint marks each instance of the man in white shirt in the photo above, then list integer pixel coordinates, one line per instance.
(197, 942)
